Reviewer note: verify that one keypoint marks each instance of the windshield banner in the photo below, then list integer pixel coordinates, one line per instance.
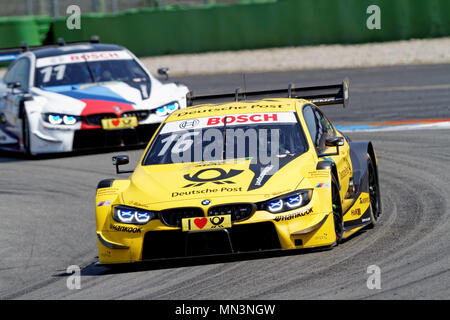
(231, 120)
(82, 57)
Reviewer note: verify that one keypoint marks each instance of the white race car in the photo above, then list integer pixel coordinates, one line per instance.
(78, 96)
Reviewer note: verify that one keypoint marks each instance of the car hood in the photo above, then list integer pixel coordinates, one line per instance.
(155, 186)
(108, 97)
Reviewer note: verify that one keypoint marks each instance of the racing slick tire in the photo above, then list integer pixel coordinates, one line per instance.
(26, 136)
(337, 210)
(374, 192)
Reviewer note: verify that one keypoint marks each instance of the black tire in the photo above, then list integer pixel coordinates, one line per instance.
(337, 210)
(26, 136)
(374, 192)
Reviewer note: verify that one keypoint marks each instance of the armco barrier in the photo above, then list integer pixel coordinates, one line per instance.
(262, 25)
(183, 29)
(172, 30)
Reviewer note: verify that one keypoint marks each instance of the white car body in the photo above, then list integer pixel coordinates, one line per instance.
(37, 117)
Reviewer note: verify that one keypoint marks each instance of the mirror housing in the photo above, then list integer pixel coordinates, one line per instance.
(13, 85)
(333, 142)
(121, 160)
(164, 72)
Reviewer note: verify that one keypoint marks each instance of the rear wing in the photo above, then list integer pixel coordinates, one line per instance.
(319, 95)
(12, 54)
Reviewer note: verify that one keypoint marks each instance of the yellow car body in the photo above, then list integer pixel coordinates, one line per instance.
(221, 186)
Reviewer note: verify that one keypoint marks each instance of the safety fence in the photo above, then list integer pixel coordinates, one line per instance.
(243, 25)
(55, 8)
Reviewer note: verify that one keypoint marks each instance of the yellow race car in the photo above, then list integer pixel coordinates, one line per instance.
(247, 175)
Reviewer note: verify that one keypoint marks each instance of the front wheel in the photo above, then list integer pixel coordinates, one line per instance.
(374, 192)
(26, 136)
(337, 211)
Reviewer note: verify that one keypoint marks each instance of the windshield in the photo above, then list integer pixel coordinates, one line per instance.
(81, 69)
(261, 138)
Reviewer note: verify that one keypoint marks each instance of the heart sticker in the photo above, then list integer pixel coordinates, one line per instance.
(200, 222)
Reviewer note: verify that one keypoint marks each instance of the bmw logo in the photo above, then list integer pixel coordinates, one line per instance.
(206, 202)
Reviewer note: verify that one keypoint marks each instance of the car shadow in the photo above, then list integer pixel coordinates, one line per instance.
(94, 269)
(10, 156)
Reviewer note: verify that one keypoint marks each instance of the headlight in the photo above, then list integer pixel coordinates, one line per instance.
(287, 202)
(55, 119)
(67, 119)
(124, 214)
(60, 119)
(167, 109)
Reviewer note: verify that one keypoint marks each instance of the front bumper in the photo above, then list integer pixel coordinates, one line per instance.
(99, 138)
(121, 243)
(55, 141)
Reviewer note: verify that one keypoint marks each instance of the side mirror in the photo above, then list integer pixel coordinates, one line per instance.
(333, 142)
(13, 85)
(121, 160)
(164, 72)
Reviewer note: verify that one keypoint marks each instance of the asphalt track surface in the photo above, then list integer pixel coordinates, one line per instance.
(47, 211)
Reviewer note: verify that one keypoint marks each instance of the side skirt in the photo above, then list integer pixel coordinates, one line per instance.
(350, 227)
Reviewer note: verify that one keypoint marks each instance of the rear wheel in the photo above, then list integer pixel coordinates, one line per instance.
(337, 211)
(374, 192)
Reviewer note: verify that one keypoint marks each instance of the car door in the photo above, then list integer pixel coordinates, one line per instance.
(342, 159)
(320, 129)
(17, 79)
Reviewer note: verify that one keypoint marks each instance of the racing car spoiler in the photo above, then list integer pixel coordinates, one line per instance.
(12, 54)
(319, 95)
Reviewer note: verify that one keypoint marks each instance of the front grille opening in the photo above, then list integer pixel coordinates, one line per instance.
(172, 217)
(238, 212)
(164, 244)
(254, 237)
(244, 238)
(99, 138)
(96, 118)
(175, 243)
(204, 243)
